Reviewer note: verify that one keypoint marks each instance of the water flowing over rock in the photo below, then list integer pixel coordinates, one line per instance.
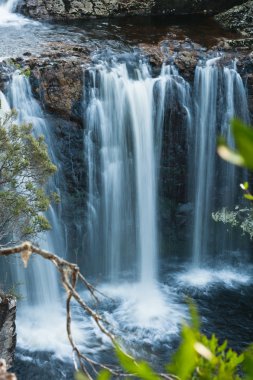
(214, 179)
(131, 121)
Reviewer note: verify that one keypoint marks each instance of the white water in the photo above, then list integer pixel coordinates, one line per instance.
(4, 107)
(203, 278)
(8, 17)
(40, 279)
(219, 96)
(125, 129)
(41, 316)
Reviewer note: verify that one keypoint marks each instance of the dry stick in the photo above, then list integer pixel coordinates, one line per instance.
(69, 270)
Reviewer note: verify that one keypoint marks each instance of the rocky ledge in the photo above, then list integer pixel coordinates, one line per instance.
(78, 9)
(7, 328)
(58, 75)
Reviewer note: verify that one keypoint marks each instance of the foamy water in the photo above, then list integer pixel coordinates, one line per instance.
(201, 278)
(9, 18)
(148, 314)
(44, 329)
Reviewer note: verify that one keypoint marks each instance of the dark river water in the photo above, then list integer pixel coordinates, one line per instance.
(22, 35)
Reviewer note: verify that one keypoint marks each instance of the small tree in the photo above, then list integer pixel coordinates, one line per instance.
(25, 168)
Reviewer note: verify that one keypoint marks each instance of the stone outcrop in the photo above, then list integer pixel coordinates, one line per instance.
(59, 86)
(57, 76)
(7, 328)
(77, 9)
(60, 9)
(238, 18)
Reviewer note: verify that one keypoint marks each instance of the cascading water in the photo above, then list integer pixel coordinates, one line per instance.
(8, 6)
(8, 17)
(125, 121)
(120, 116)
(41, 283)
(219, 95)
(38, 283)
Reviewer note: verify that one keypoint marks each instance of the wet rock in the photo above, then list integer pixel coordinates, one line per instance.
(184, 54)
(77, 9)
(239, 18)
(7, 328)
(59, 86)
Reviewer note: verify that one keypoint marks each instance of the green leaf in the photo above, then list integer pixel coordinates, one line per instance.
(104, 375)
(243, 136)
(140, 369)
(194, 315)
(249, 197)
(248, 364)
(185, 359)
(80, 376)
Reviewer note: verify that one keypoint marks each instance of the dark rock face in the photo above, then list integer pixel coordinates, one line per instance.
(59, 86)
(7, 328)
(77, 9)
(239, 18)
(64, 9)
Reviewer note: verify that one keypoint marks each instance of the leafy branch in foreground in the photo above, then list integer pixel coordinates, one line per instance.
(242, 156)
(24, 170)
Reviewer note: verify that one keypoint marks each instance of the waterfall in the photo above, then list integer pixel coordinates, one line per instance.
(125, 111)
(219, 95)
(4, 106)
(8, 17)
(39, 281)
(8, 6)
